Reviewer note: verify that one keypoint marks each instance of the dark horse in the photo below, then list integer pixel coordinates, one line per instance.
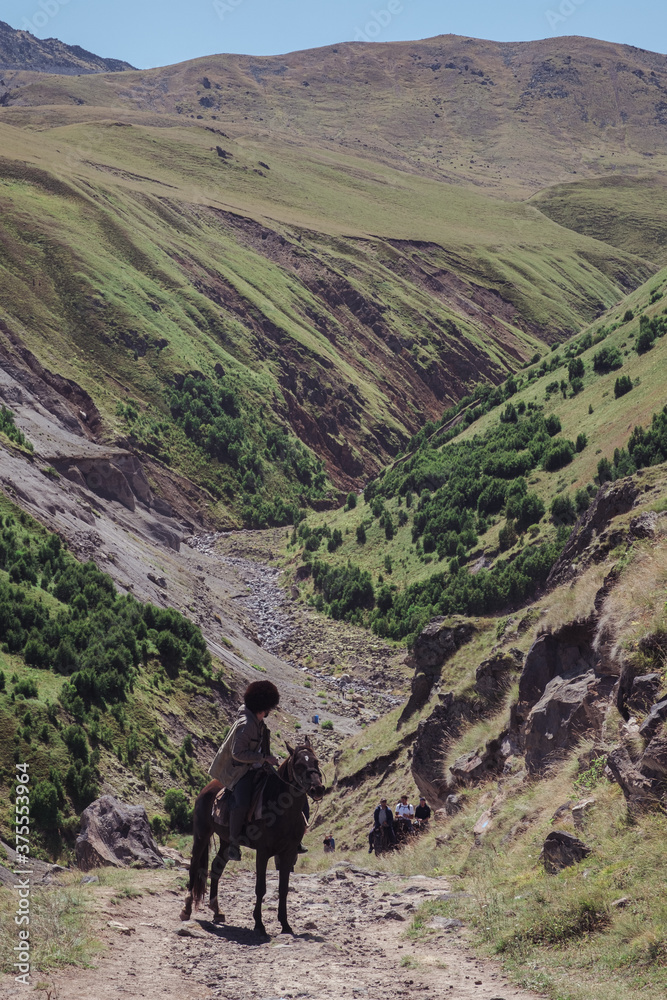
(277, 834)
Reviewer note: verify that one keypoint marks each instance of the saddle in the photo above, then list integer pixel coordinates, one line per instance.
(220, 809)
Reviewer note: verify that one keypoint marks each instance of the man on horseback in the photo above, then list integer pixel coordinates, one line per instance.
(244, 753)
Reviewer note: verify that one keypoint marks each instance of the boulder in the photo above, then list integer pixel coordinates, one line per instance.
(653, 720)
(493, 677)
(562, 849)
(644, 692)
(118, 834)
(454, 804)
(644, 525)
(654, 761)
(580, 810)
(641, 791)
(105, 477)
(165, 534)
(568, 709)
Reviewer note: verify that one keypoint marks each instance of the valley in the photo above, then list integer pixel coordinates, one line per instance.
(343, 369)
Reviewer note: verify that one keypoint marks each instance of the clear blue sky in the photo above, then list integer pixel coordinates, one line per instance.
(157, 32)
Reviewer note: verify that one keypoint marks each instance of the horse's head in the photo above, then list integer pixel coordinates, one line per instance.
(306, 770)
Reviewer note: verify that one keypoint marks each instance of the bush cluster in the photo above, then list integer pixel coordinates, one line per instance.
(10, 430)
(646, 446)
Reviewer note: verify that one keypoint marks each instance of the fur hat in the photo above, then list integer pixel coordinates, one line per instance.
(261, 696)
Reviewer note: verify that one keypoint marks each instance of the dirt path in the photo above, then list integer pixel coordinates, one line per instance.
(350, 943)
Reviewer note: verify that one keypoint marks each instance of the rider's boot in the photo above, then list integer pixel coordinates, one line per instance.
(236, 818)
(301, 849)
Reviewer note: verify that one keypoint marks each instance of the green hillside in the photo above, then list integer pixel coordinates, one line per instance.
(474, 525)
(342, 313)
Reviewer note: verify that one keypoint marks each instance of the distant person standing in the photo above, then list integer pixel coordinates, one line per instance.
(329, 844)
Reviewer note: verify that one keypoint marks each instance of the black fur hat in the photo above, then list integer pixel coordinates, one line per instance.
(261, 696)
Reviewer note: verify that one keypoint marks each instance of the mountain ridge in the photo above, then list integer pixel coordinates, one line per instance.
(21, 50)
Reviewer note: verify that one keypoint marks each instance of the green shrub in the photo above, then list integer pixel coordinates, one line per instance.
(327, 724)
(44, 806)
(581, 442)
(575, 368)
(622, 386)
(559, 454)
(26, 687)
(606, 360)
(351, 501)
(563, 510)
(178, 809)
(361, 534)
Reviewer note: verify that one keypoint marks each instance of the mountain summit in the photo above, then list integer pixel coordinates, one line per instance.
(20, 50)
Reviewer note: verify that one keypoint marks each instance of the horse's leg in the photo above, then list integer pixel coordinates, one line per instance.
(287, 862)
(261, 862)
(217, 868)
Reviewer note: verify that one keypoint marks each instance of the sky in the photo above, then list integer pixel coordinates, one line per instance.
(151, 33)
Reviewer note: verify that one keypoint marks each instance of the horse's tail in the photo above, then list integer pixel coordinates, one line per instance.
(202, 833)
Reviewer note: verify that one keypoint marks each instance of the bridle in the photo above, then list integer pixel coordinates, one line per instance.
(292, 780)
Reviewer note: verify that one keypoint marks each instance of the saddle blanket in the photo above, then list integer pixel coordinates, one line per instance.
(220, 810)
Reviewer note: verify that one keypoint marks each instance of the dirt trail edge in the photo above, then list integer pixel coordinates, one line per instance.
(350, 942)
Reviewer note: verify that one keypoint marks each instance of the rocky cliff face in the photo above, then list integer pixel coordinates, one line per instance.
(571, 682)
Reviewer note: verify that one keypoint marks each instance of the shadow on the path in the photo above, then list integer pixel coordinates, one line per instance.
(250, 938)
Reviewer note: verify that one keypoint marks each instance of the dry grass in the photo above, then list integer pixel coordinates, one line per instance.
(60, 931)
(637, 607)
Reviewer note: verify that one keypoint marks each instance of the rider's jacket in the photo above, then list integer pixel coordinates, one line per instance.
(245, 746)
(376, 817)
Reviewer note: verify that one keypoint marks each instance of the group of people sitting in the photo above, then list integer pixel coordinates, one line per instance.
(405, 818)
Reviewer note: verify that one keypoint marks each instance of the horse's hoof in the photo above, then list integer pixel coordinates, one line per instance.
(261, 929)
(185, 914)
(219, 918)
(287, 930)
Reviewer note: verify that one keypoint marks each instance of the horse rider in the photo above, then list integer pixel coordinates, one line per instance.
(405, 812)
(329, 844)
(383, 818)
(245, 752)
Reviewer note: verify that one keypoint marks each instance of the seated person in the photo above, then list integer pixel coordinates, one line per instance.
(329, 844)
(405, 812)
(423, 811)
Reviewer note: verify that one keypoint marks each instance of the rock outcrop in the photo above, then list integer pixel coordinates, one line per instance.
(494, 676)
(444, 723)
(589, 538)
(479, 764)
(114, 833)
(643, 779)
(433, 647)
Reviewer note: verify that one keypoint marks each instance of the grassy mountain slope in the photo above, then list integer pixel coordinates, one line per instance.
(503, 116)
(351, 309)
(411, 527)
